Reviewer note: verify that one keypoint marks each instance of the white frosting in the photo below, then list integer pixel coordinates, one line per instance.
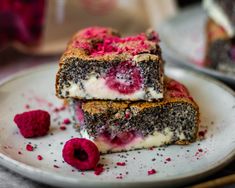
(96, 88)
(218, 15)
(154, 140)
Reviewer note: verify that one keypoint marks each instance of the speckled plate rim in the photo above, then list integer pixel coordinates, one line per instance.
(183, 60)
(62, 181)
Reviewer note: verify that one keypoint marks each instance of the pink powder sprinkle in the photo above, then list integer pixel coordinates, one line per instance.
(59, 109)
(62, 108)
(67, 121)
(55, 166)
(121, 164)
(200, 150)
(168, 159)
(39, 157)
(27, 106)
(29, 147)
(99, 169)
(119, 177)
(113, 44)
(62, 127)
(56, 109)
(151, 172)
(202, 133)
(94, 32)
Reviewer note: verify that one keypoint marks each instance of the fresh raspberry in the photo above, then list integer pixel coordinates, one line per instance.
(81, 153)
(33, 123)
(125, 78)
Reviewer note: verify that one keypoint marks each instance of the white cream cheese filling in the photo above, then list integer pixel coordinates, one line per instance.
(154, 140)
(96, 88)
(218, 15)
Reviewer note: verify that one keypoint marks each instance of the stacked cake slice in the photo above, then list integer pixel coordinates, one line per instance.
(119, 95)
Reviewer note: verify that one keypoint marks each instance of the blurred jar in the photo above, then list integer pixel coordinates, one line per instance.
(45, 26)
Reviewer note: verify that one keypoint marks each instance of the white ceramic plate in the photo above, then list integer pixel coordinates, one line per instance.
(183, 40)
(187, 163)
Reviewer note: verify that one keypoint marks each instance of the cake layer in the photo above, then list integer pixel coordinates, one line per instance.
(98, 64)
(120, 126)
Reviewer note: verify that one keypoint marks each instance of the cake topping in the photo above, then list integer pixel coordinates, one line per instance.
(98, 41)
(94, 32)
(33, 123)
(81, 153)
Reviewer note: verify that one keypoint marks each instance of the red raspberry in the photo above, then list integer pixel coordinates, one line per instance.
(33, 123)
(123, 138)
(81, 153)
(125, 78)
(178, 90)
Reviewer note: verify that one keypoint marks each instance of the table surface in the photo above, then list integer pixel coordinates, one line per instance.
(12, 61)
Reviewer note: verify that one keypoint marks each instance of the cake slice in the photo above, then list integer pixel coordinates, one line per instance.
(222, 13)
(220, 38)
(99, 64)
(120, 126)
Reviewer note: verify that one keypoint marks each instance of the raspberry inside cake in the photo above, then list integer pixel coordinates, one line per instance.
(99, 64)
(120, 126)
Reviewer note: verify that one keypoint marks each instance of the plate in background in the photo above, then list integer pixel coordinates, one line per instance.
(183, 42)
